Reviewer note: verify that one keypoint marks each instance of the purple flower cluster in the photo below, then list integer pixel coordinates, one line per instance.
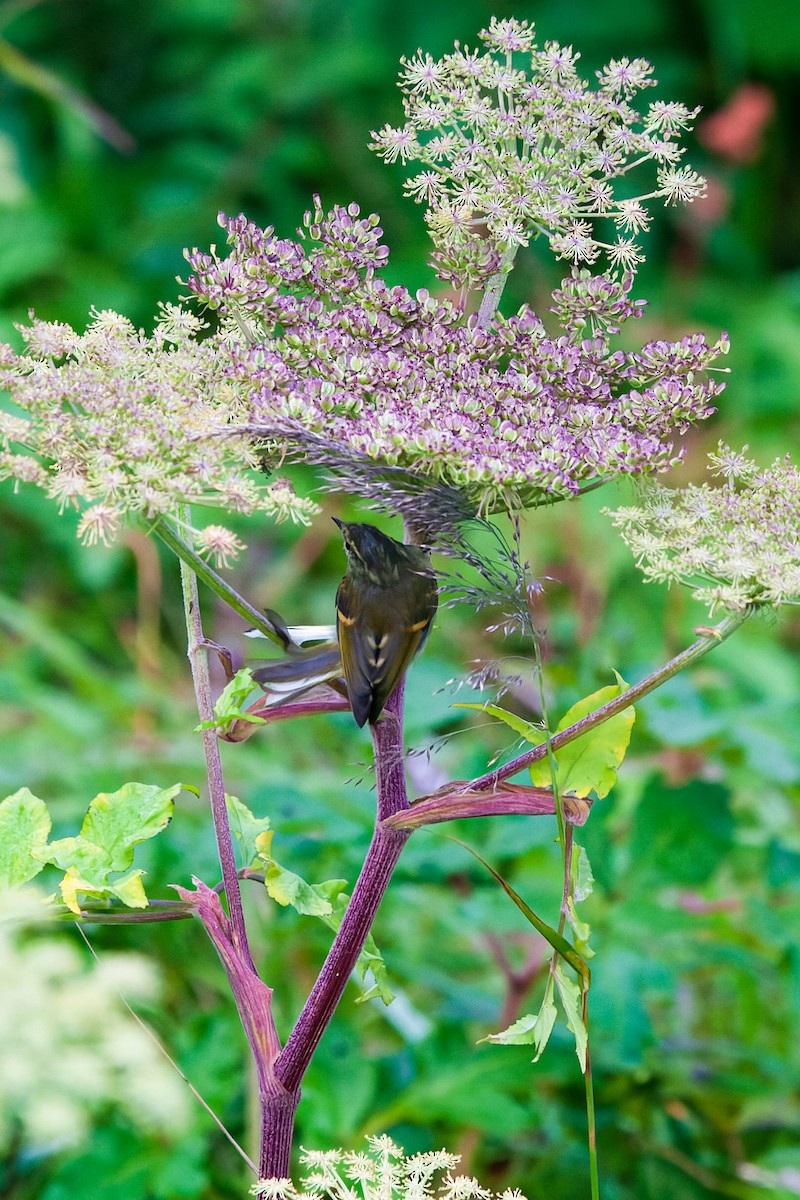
(511, 415)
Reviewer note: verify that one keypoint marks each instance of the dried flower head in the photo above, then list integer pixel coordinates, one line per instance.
(119, 424)
(736, 544)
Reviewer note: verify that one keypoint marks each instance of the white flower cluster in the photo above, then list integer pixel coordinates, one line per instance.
(122, 425)
(382, 1173)
(68, 1049)
(736, 544)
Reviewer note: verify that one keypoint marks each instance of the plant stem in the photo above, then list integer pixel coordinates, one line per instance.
(381, 859)
(216, 784)
(591, 1123)
(494, 289)
(211, 579)
(685, 659)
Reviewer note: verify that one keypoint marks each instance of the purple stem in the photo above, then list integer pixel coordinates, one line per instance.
(381, 859)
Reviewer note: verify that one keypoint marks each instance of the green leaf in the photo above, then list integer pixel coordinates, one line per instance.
(581, 882)
(533, 1029)
(117, 821)
(370, 967)
(24, 827)
(114, 823)
(129, 889)
(228, 708)
(590, 763)
(559, 943)
(247, 829)
(532, 733)
(571, 996)
(289, 889)
(581, 874)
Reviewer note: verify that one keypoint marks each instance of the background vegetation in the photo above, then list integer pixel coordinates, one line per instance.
(123, 130)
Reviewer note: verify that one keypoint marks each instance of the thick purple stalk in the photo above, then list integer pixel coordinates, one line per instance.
(381, 859)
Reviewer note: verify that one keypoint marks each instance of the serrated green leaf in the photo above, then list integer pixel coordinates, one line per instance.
(531, 1030)
(228, 708)
(117, 821)
(571, 996)
(248, 830)
(590, 763)
(24, 827)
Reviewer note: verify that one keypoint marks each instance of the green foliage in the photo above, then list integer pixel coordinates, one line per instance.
(590, 762)
(24, 829)
(113, 825)
(228, 705)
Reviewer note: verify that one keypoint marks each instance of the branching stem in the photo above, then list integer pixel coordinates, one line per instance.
(708, 640)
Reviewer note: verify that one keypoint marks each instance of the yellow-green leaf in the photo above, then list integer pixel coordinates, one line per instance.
(247, 829)
(590, 763)
(117, 821)
(287, 888)
(24, 827)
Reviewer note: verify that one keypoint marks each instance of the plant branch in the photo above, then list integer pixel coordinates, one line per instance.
(494, 289)
(707, 641)
(216, 784)
(456, 800)
(190, 558)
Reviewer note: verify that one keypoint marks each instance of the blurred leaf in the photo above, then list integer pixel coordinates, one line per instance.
(248, 829)
(680, 835)
(24, 827)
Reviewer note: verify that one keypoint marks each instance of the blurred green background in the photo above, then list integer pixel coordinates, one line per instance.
(123, 130)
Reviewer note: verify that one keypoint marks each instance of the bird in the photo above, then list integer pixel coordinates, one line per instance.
(385, 605)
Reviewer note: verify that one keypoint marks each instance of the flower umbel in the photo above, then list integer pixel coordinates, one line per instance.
(735, 545)
(515, 144)
(120, 425)
(382, 1173)
(398, 393)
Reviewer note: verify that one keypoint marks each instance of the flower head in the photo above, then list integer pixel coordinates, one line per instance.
(513, 134)
(402, 395)
(382, 1173)
(736, 545)
(118, 424)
